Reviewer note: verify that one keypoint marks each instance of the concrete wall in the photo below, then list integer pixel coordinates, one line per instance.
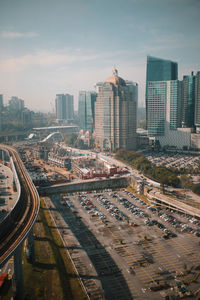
(85, 186)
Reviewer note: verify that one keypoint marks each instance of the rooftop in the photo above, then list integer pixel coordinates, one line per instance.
(115, 79)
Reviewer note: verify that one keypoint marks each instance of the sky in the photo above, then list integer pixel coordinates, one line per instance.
(49, 47)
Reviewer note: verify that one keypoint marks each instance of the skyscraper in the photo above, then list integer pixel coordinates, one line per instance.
(188, 100)
(116, 114)
(64, 107)
(16, 104)
(86, 109)
(159, 69)
(1, 108)
(197, 101)
(1, 102)
(164, 104)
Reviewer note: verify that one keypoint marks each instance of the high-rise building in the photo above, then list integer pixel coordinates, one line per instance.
(188, 100)
(164, 114)
(116, 114)
(1, 108)
(197, 101)
(163, 106)
(86, 109)
(16, 104)
(159, 69)
(1, 102)
(64, 107)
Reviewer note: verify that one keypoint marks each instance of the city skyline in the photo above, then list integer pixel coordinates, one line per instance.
(49, 48)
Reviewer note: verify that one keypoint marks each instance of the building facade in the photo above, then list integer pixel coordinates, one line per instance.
(164, 103)
(1, 109)
(1, 102)
(16, 104)
(116, 114)
(197, 102)
(188, 100)
(86, 109)
(64, 104)
(159, 69)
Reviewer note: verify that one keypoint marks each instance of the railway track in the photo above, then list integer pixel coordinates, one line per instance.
(14, 229)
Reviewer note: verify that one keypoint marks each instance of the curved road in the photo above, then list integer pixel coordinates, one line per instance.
(15, 228)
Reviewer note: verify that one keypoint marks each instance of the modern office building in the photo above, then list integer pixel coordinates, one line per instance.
(1, 102)
(188, 101)
(86, 113)
(1, 108)
(64, 107)
(16, 104)
(97, 86)
(164, 104)
(164, 115)
(116, 114)
(197, 102)
(159, 69)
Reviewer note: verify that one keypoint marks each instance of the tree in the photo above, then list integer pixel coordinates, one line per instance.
(186, 182)
(71, 139)
(79, 143)
(196, 188)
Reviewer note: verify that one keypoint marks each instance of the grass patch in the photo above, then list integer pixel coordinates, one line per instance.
(52, 276)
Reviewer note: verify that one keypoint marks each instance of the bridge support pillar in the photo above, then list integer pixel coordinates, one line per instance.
(30, 247)
(18, 275)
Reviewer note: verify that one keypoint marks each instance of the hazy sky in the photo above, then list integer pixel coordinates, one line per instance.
(63, 46)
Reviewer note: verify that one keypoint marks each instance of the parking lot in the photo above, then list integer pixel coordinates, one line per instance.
(173, 160)
(124, 249)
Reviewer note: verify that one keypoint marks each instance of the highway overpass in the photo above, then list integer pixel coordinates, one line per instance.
(16, 227)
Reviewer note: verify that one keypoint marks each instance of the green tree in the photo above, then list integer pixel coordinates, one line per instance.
(71, 139)
(79, 143)
(186, 182)
(196, 188)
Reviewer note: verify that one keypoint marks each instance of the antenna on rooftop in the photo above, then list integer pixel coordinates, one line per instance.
(115, 72)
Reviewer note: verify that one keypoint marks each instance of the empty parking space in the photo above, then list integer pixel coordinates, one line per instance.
(124, 250)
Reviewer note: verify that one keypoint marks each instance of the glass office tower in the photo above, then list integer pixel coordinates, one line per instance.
(86, 109)
(64, 104)
(163, 107)
(197, 101)
(159, 69)
(188, 94)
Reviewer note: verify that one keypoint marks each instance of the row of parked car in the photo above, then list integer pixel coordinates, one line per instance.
(181, 225)
(90, 207)
(112, 209)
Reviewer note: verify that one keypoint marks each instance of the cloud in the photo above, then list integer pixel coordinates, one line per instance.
(45, 59)
(17, 35)
(62, 59)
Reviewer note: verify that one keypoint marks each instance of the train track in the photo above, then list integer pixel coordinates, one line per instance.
(14, 229)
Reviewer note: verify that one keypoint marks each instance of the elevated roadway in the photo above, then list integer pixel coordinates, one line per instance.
(16, 226)
(159, 198)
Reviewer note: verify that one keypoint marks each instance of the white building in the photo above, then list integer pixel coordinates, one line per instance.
(116, 114)
(64, 104)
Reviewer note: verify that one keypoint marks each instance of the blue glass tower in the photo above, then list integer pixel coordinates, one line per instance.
(164, 106)
(197, 102)
(86, 110)
(157, 70)
(188, 95)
